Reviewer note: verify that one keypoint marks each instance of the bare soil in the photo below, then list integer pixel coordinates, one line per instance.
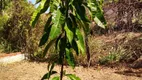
(34, 71)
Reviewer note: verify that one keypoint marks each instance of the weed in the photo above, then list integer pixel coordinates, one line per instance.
(115, 55)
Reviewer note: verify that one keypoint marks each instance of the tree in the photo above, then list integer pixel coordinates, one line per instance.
(67, 28)
(16, 30)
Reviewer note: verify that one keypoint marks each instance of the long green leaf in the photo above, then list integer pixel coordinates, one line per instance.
(70, 58)
(45, 37)
(75, 47)
(44, 4)
(48, 24)
(69, 33)
(57, 20)
(54, 5)
(56, 78)
(73, 18)
(51, 66)
(81, 12)
(72, 77)
(57, 42)
(37, 1)
(97, 13)
(80, 41)
(47, 75)
(99, 23)
(84, 25)
(48, 46)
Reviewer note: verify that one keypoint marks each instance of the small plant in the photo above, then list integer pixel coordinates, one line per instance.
(67, 28)
(115, 55)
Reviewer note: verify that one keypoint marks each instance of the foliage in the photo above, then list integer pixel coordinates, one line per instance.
(4, 17)
(3, 20)
(17, 27)
(115, 55)
(15, 30)
(5, 46)
(67, 26)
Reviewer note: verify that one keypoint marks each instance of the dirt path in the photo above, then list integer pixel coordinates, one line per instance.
(34, 71)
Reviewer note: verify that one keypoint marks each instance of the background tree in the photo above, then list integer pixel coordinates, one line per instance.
(16, 26)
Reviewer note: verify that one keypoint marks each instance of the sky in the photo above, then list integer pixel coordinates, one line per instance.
(33, 1)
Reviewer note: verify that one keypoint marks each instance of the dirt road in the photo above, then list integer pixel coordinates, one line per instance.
(34, 71)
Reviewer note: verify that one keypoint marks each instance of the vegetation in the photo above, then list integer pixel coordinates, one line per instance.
(65, 27)
(16, 32)
(67, 30)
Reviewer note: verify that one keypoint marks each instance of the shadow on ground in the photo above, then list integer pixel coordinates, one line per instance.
(131, 72)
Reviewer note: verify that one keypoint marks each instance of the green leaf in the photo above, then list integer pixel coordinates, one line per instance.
(37, 1)
(54, 72)
(69, 32)
(48, 67)
(73, 18)
(97, 13)
(71, 2)
(48, 23)
(72, 77)
(44, 4)
(57, 42)
(57, 19)
(75, 47)
(47, 75)
(99, 23)
(56, 78)
(84, 25)
(51, 66)
(86, 28)
(54, 5)
(48, 46)
(81, 12)
(45, 37)
(80, 41)
(70, 58)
